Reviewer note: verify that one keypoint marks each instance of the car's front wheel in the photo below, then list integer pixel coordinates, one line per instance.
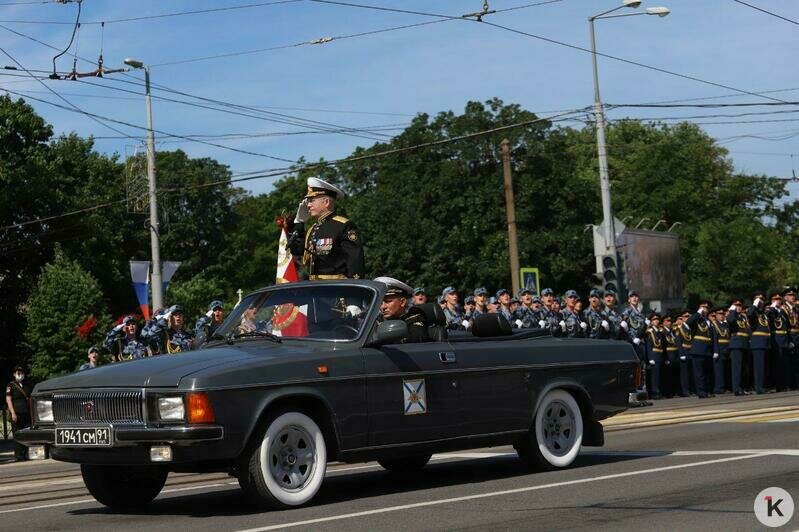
(288, 466)
(557, 433)
(123, 486)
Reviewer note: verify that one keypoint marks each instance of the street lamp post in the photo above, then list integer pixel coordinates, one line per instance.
(155, 243)
(608, 223)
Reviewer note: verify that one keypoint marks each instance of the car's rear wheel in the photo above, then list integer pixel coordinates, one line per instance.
(288, 466)
(557, 433)
(123, 486)
(406, 463)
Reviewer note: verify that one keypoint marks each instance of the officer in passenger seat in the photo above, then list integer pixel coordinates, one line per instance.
(393, 307)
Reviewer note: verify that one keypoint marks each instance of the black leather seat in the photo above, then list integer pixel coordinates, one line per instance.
(491, 325)
(435, 320)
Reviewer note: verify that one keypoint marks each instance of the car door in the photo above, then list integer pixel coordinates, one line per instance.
(412, 393)
(495, 384)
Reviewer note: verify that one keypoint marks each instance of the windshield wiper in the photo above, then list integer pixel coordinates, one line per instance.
(260, 334)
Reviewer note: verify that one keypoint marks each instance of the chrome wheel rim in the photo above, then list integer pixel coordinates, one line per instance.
(558, 426)
(292, 458)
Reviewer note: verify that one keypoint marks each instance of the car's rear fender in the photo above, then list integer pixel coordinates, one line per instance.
(301, 399)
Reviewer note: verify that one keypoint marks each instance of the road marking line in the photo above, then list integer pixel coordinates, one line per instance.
(497, 493)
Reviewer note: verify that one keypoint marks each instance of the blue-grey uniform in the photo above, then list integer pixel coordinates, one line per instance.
(781, 339)
(722, 349)
(702, 343)
(124, 346)
(636, 327)
(598, 323)
(655, 353)
(526, 315)
(740, 332)
(760, 341)
(205, 327)
(164, 339)
(614, 319)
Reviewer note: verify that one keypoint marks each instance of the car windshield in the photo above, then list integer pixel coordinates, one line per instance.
(325, 312)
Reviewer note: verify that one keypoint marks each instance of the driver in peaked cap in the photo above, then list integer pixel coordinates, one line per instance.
(332, 247)
(393, 307)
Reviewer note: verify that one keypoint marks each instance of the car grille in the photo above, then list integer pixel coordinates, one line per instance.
(98, 407)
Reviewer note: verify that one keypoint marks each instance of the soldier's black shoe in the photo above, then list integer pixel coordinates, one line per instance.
(703, 396)
(656, 396)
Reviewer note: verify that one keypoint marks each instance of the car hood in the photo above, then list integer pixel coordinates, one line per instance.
(158, 371)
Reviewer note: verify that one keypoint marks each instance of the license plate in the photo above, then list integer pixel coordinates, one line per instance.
(83, 437)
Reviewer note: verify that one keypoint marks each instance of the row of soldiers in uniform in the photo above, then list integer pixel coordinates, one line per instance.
(704, 352)
(165, 333)
(726, 349)
(602, 318)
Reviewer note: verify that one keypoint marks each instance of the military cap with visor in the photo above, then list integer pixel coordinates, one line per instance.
(395, 287)
(319, 187)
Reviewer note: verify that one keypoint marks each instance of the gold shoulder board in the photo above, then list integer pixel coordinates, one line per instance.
(341, 219)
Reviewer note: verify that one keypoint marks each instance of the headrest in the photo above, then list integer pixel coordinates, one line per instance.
(432, 313)
(490, 325)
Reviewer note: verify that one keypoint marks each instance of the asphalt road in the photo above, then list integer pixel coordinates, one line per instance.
(682, 465)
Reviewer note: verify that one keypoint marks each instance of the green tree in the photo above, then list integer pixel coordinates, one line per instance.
(64, 297)
(195, 294)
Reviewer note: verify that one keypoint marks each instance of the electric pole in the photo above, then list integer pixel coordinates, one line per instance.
(510, 211)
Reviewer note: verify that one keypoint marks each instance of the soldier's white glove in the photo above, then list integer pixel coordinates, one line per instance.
(562, 325)
(209, 313)
(732, 307)
(715, 356)
(605, 325)
(353, 311)
(701, 310)
(519, 324)
(583, 325)
(774, 304)
(302, 212)
(648, 323)
(542, 323)
(119, 327)
(624, 325)
(466, 324)
(167, 315)
(652, 362)
(757, 302)
(637, 341)
(683, 358)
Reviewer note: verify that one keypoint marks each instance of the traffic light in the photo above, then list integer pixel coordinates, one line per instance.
(610, 273)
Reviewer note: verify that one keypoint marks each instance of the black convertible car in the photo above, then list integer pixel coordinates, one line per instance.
(302, 374)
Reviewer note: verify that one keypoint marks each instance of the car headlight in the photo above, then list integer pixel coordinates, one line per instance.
(44, 410)
(171, 408)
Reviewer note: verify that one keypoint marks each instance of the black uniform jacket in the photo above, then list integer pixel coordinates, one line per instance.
(332, 248)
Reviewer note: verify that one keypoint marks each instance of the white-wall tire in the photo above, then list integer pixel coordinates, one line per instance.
(288, 466)
(556, 435)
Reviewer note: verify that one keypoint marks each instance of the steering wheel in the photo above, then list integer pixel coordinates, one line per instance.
(338, 330)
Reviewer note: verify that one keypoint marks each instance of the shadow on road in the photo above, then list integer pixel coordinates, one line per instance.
(339, 488)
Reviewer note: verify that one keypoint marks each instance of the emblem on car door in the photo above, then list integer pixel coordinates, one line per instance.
(415, 397)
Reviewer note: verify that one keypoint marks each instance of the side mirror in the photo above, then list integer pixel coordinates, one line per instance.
(389, 332)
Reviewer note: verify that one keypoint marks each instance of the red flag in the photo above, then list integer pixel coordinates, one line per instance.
(288, 319)
(84, 329)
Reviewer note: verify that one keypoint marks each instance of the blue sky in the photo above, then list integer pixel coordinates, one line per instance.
(386, 78)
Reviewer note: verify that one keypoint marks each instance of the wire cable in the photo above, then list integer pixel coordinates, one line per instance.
(74, 30)
(786, 19)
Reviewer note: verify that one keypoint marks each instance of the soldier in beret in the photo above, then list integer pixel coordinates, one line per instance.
(93, 354)
(570, 323)
(207, 324)
(612, 315)
(480, 302)
(332, 248)
(419, 296)
(394, 306)
(452, 310)
(503, 298)
(167, 335)
(594, 316)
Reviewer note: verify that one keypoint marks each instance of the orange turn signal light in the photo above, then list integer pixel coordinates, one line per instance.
(321, 370)
(200, 410)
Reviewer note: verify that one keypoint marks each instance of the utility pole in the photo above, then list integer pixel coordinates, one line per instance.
(510, 211)
(155, 239)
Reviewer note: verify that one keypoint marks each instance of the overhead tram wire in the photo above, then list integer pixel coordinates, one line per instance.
(70, 104)
(156, 16)
(140, 82)
(325, 40)
(551, 41)
(786, 19)
(160, 132)
(276, 172)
